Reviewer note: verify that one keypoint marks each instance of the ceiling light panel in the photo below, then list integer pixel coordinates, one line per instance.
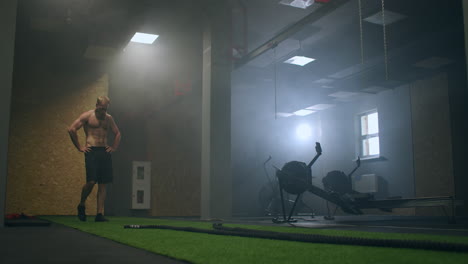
(282, 50)
(297, 3)
(319, 107)
(299, 60)
(144, 38)
(281, 114)
(390, 18)
(304, 112)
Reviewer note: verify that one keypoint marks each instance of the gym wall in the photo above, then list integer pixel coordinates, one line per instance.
(175, 155)
(432, 140)
(159, 127)
(340, 130)
(415, 142)
(45, 171)
(7, 27)
(156, 92)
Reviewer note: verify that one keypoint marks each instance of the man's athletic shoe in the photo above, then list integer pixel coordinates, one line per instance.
(100, 218)
(81, 212)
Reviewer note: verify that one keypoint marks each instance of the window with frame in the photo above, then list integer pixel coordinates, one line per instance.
(369, 138)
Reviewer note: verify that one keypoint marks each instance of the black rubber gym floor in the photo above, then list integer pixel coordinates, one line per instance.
(60, 244)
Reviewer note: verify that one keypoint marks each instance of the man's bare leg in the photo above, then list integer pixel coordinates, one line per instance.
(101, 197)
(85, 191)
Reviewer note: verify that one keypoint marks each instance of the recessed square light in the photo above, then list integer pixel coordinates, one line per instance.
(390, 18)
(299, 60)
(144, 38)
(304, 112)
(297, 3)
(320, 107)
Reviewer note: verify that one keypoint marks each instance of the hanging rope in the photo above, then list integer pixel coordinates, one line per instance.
(274, 72)
(361, 33)
(384, 40)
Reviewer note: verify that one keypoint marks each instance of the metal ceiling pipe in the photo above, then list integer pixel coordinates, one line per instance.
(326, 9)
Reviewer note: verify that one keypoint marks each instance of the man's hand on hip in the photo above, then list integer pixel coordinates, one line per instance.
(110, 149)
(85, 149)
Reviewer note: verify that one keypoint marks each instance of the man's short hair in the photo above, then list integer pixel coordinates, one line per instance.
(103, 100)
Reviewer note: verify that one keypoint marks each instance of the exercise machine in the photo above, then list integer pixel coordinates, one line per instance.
(295, 177)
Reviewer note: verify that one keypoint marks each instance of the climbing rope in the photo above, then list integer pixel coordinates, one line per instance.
(384, 40)
(361, 32)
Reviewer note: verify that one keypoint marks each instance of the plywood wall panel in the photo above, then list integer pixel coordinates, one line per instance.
(45, 171)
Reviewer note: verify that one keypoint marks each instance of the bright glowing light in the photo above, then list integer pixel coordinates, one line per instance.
(297, 3)
(299, 60)
(282, 114)
(303, 112)
(144, 38)
(319, 107)
(304, 131)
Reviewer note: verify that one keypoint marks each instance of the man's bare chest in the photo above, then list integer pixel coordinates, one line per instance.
(94, 123)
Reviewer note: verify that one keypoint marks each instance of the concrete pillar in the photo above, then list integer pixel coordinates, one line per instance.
(465, 22)
(7, 41)
(216, 179)
(460, 125)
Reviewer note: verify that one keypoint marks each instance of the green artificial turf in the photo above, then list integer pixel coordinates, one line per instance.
(205, 248)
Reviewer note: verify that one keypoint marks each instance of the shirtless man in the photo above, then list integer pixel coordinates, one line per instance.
(96, 124)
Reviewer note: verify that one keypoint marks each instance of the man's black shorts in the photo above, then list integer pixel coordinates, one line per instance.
(98, 165)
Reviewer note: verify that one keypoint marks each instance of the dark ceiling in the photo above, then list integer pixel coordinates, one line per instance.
(351, 54)
(365, 57)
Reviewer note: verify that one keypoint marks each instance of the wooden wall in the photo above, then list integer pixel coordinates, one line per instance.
(45, 171)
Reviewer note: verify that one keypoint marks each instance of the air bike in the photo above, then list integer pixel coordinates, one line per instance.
(295, 178)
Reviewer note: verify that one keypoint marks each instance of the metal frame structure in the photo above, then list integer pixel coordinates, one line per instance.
(324, 10)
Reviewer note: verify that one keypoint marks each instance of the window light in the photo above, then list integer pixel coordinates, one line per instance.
(369, 139)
